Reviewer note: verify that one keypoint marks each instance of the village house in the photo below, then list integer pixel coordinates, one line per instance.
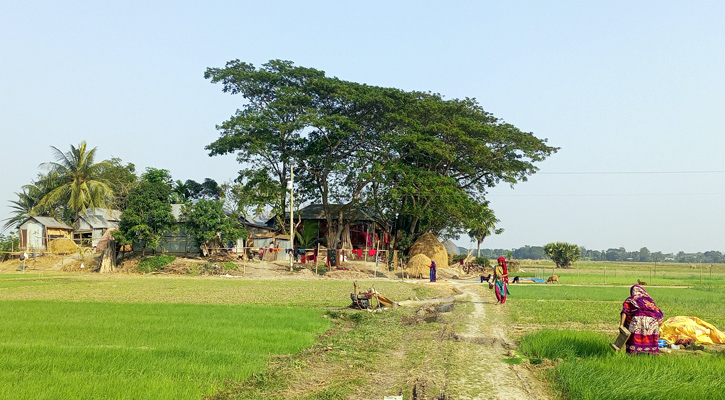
(36, 232)
(360, 230)
(94, 223)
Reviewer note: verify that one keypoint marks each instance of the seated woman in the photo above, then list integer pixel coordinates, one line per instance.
(641, 316)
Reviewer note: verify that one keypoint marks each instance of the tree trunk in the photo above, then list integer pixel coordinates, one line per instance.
(108, 258)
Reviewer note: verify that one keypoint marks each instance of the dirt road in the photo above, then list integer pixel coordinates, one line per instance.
(478, 370)
(484, 374)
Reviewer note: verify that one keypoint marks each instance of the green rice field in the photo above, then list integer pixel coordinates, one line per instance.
(576, 323)
(131, 337)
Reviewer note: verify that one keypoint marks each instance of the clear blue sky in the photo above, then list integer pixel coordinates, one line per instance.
(632, 92)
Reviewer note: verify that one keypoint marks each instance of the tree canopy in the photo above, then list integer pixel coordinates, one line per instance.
(75, 180)
(413, 161)
(562, 253)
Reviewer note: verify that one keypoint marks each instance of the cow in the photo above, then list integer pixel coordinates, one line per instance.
(641, 283)
(552, 279)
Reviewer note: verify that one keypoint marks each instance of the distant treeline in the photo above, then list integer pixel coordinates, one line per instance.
(620, 254)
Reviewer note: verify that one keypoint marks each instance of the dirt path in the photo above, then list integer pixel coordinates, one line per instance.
(480, 372)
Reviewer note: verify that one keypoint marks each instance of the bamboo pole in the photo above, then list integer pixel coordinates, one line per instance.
(377, 249)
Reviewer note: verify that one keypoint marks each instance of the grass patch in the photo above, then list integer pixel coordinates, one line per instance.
(52, 350)
(154, 264)
(552, 305)
(592, 371)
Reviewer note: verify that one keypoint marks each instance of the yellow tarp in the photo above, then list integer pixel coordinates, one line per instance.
(681, 327)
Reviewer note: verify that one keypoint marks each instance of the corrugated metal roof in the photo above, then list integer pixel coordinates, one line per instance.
(100, 218)
(50, 222)
(109, 215)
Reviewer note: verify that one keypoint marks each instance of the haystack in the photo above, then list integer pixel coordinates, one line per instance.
(418, 266)
(430, 246)
(62, 246)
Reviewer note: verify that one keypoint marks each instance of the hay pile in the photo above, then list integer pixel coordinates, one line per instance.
(430, 246)
(62, 246)
(418, 266)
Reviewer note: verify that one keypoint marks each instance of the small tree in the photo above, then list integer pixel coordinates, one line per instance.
(148, 215)
(210, 226)
(562, 253)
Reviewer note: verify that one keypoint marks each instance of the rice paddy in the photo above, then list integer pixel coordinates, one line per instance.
(574, 325)
(131, 337)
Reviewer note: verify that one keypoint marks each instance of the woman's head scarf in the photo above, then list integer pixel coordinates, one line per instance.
(640, 303)
(502, 263)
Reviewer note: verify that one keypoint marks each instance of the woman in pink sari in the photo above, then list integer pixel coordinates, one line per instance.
(642, 317)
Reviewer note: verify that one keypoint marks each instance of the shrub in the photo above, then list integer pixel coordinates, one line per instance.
(153, 264)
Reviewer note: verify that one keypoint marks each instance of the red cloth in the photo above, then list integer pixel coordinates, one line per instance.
(372, 252)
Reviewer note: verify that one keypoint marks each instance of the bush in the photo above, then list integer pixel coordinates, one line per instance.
(482, 261)
(154, 264)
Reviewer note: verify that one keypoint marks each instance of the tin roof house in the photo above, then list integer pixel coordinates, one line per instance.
(37, 232)
(93, 223)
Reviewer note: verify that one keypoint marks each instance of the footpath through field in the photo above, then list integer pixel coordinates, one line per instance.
(478, 370)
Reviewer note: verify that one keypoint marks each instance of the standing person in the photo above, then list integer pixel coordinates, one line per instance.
(433, 268)
(500, 280)
(642, 317)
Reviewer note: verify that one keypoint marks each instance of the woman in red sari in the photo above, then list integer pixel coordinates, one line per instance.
(642, 317)
(501, 280)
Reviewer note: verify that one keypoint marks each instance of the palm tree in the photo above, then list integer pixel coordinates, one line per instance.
(23, 207)
(484, 225)
(75, 180)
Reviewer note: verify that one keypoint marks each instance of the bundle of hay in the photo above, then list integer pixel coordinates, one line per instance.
(62, 246)
(430, 246)
(418, 266)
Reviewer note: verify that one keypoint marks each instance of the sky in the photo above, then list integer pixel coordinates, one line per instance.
(632, 93)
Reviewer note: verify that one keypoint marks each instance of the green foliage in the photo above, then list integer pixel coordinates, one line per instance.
(482, 261)
(562, 253)
(121, 178)
(154, 264)
(157, 175)
(308, 238)
(206, 221)
(412, 160)
(75, 181)
(8, 243)
(483, 224)
(147, 216)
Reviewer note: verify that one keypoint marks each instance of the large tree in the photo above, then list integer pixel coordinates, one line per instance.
(264, 132)
(76, 181)
(414, 161)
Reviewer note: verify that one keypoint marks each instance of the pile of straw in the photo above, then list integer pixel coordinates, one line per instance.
(62, 246)
(430, 246)
(418, 266)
